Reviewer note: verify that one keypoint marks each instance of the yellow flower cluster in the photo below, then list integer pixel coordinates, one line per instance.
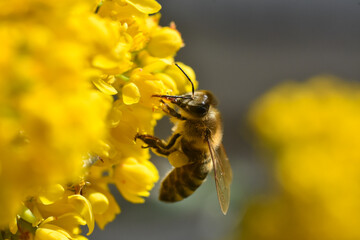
(76, 80)
(312, 129)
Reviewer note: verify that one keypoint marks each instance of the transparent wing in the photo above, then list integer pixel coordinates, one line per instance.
(225, 164)
(222, 174)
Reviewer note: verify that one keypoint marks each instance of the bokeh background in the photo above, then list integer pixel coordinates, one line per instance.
(240, 49)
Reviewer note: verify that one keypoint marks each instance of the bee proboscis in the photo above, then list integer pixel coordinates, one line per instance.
(195, 147)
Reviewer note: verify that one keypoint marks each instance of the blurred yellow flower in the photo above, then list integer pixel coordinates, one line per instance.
(45, 98)
(312, 131)
(76, 80)
(51, 194)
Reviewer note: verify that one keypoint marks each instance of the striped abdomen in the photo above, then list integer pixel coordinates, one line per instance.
(183, 181)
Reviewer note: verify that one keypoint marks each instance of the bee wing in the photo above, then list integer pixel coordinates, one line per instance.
(222, 174)
(225, 163)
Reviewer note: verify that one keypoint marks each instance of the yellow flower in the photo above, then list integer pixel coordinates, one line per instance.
(99, 202)
(104, 84)
(148, 85)
(62, 227)
(145, 6)
(135, 179)
(121, 12)
(69, 204)
(45, 98)
(122, 136)
(77, 79)
(51, 194)
(103, 203)
(311, 128)
(182, 83)
(164, 42)
(130, 94)
(51, 232)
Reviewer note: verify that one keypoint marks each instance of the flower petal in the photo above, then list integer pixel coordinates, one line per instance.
(130, 94)
(105, 87)
(51, 232)
(13, 227)
(83, 207)
(145, 6)
(99, 202)
(101, 61)
(51, 194)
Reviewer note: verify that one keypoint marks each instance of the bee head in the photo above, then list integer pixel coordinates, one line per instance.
(196, 105)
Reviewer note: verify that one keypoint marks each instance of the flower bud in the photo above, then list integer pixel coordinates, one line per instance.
(99, 202)
(51, 233)
(135, 179)
(165, 42)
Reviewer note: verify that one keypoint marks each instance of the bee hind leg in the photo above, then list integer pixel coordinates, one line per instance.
(160, 146)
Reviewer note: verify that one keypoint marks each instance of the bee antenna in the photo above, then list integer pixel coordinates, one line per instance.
(192, 84)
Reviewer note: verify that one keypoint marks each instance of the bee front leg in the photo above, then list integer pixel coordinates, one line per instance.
(170, 111)
(160, 146)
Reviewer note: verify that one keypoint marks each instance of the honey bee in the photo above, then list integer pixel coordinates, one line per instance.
(195, 147)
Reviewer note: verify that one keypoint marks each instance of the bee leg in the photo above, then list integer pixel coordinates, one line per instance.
(172, 141)
(160, 146)
(150, 140)
(170, 111)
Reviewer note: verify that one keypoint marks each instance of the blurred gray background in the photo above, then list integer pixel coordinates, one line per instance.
(239, 49)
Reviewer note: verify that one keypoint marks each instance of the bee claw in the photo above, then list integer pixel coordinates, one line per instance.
(138, 135)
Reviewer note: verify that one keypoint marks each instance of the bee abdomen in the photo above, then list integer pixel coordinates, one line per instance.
(183, 181)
